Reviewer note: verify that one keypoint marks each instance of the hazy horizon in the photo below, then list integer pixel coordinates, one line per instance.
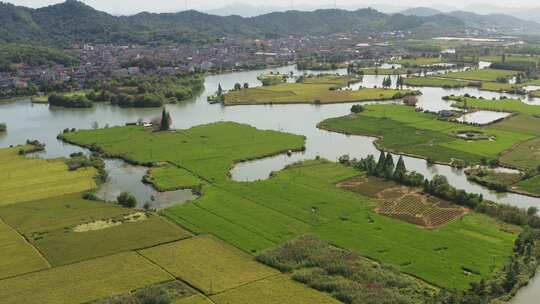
(135, 6)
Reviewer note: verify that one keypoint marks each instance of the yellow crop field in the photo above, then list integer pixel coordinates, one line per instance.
(83, 282)
(195, 299)
(16, 255)
(25, 179)
(274, 290)
(208, 264)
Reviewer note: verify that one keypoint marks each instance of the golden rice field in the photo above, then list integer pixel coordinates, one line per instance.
(208, 264)
(195, 299)
(25, 179)
(16, 255)
(277, 289)
(83, 282)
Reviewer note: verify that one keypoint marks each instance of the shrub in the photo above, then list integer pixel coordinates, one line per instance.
(357, 109)
(127, 200)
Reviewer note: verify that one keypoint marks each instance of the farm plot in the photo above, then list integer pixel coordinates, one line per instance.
(531, 185)
(64, 246)
(503, 105)
(16, 255)
(273, 290)
(482, 74)
(312, 90)
(403, 130)
(170, 177)
(168, 292)
(196, 299)
(526, 155)
(208, 264)
(406, 203)
(435, 82)
(83, 282)
(25, 179)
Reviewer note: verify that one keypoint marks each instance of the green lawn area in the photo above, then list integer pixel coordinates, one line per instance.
(481, 74)
(304, 199)
(26, 179)
(521, 123)
(504, 105)
(313, 90)
(170, 177)
(420, 61)
(404, 130)
(435, 82)
(535, 94)
(83, 282)
(498, 86)
(531, 185)
(526, 155)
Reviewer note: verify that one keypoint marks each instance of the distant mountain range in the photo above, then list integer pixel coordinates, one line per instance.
(74, 21)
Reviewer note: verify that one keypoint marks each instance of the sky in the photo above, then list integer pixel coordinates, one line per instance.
(134, 6)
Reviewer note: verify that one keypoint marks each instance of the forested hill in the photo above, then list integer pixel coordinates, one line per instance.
(73, 21)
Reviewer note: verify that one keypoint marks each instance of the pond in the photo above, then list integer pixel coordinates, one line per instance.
(482, 117)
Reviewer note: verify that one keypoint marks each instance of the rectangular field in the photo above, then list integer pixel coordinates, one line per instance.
(64, 246)
(27, 179)
(170, 177)
(83, 282)
(16, 255)
(526, 155)
(208, 264)
(273, 290)
(481, 74)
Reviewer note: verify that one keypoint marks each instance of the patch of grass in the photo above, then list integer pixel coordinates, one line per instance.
(435, 82)
(535, 94)
(169, 177)
(526, 155)
(521, 123)
(498, 86)
(312, 90)
(511, 58)
(56, 213)
(273, 290)
(66, 246)
(404, 130)
(481, 74)
(16, 255)
(493, 179)
(196, 299)
(504, 105)
(208, 264)
(380, 71)
(164, 293)
(83, 282)
(419, 61)
(531, 185)
(25, 179)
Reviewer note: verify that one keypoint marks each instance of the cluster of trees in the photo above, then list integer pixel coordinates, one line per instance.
(75, 101)
(3, 127)
(79, 160)
(127, 200)
(148, 91)
(166, 121)
(387, 82)
(385, 168)
(238, 86)
(357, 108)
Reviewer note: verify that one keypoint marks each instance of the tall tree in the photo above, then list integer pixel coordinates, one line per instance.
(401, 170)
(388, 166)
(380, 164)
(166, 120)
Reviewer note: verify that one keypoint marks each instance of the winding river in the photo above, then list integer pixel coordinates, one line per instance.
(37, 121)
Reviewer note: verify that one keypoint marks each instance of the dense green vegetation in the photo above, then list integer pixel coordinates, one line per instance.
(33, 55)
(148, 91)
(3, 127)
(420, 61)
(435, 82)
(73, 101)
(503, 105)
(403, 130)
(315, 263)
